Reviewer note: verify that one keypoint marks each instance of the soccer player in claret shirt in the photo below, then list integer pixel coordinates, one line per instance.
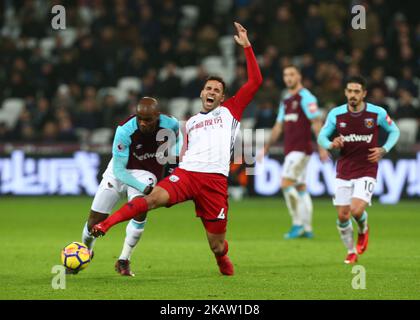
(203, 170)
(298, 116)
(357, 126)
(133, 170)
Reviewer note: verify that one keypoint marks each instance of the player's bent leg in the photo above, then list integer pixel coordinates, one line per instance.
(305, 210)
(345, 228)
(358, 210)
(139, 205)
(220, 248)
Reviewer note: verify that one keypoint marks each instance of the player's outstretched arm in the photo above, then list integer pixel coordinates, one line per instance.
(246, 93)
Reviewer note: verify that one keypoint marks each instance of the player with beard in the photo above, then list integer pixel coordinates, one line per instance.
(356, 124)
(298, 116)
(203, 170)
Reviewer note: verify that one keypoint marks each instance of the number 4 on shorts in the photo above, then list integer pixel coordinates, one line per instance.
(221, 214)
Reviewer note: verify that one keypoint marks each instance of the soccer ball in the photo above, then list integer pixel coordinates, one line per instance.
(75, 256)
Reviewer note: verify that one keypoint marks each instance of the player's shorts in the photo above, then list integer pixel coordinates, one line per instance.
(209, 191)
(111, 190)
(361, 188)
(294, 167)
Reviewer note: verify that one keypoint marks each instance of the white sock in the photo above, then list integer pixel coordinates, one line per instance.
(346, 234)
(292, 198)
(134, 231)
(87, 238)
(362, 223)
(305, 209)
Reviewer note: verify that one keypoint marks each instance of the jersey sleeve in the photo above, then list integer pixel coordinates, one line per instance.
(280, 116)
(121, 152)
(327, 130)
(385, 121)
(246, 93)
(309, 105)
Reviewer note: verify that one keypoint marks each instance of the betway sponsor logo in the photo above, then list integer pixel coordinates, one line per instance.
(291, 117)
(358, 138)
(146, 156)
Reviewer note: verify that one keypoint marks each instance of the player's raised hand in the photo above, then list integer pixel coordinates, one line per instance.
(241, 38)
(376, 154)
(337, 143)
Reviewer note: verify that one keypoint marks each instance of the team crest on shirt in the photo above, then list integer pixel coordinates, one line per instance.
(174, 178)
(369, 123)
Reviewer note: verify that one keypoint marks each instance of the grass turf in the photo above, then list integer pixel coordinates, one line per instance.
(173, 260)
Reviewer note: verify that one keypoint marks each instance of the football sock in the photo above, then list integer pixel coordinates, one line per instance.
(133, 231)
(362, 223)
(126, 212)
(346, 233)
(305, 209)
(291, 197)
(87, 238)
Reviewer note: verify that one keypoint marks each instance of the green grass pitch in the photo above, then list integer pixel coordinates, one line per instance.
(173, 260)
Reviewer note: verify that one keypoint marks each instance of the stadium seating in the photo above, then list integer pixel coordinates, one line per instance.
(178, 107)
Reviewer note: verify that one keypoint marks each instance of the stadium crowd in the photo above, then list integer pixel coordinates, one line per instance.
(71, 81)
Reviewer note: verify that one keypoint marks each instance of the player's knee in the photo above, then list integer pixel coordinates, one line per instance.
(357, 210)
(344, 215)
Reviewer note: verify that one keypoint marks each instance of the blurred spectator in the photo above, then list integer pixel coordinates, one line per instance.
(265, 116)
(207, 41)
(268, 92)
(406, 108)
(284, 33)
(170, 87)
(193, 88)
(111, 112)
(5, 134)
(88, 116)
(407, 81)
(66, 130)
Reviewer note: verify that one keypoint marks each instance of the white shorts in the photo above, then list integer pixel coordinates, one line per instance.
(294, 167)
(361, 188)
(111, 190)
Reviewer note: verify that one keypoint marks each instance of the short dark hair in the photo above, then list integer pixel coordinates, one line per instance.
(293, 66)
(357, 79)
(216, 78)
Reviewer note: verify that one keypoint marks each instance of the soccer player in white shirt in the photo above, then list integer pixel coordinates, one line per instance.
(203, 170)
